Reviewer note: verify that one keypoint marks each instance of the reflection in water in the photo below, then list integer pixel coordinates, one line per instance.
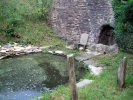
(22, 78)
(52, 80)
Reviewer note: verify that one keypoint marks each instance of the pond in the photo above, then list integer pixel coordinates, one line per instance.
(25, 77)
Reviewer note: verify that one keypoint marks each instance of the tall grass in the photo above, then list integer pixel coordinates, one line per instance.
(25, 21)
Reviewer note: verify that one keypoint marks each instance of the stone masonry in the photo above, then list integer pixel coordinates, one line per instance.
(71, 18)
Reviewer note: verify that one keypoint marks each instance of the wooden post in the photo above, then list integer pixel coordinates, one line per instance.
(122, 72)
(72, 78)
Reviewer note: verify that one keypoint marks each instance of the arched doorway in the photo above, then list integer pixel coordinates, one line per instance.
(106, 36)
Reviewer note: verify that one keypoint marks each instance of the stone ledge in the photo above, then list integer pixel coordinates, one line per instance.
(103, 48)
(15, 49)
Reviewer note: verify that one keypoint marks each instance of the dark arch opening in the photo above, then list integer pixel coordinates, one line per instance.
(106, 36)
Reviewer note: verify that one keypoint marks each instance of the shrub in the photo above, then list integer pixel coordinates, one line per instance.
(124, 23)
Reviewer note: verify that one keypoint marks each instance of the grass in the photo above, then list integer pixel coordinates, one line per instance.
(38, 33)
(28, 20)
(35, 33)
(105, 86)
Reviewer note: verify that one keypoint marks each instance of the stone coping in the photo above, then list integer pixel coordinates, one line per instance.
(16, 49)
(103, 48)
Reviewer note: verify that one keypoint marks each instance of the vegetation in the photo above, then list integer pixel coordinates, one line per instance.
(124, 23)
(26, 22)
(104, 86)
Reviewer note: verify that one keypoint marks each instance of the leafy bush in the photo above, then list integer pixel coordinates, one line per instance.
(124, 23)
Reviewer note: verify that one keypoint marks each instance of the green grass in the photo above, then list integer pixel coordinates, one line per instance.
(105, 86)
(27, 19)
(35, 33)
(38, 33)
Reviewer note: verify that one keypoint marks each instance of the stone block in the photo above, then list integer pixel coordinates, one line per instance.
(84, 83)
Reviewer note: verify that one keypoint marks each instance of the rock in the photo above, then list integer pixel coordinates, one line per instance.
(81, 48)
(59, 52)
(16, 49)
(28, 51)
(95, 70)
(50, 52)
(95, 53)
(28, 47)
(86, 55)
(3, 51)
(84, 83)
(82, 56)
(84, 39)
(70, 45)
(8, 46)
(103, 48)
(44, 47)
(2, 57)
(90, 62)
(113, 49)
(37, 50)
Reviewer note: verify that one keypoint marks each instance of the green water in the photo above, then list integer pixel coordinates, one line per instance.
(22, 78)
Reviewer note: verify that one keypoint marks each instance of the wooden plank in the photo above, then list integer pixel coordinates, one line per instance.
(122, 72)
(72, 78)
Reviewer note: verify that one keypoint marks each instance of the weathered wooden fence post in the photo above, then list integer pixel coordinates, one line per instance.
(72, 78)
(122, 72)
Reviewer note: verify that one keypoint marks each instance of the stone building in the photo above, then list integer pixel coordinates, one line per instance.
(71, 18)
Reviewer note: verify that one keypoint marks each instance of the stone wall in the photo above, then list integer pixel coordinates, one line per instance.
(71, 18)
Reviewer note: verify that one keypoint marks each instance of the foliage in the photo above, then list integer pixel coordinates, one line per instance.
(124, 23)
(14, 13)
(26, 19)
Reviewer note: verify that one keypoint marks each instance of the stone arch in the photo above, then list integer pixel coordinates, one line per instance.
(106, 35)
